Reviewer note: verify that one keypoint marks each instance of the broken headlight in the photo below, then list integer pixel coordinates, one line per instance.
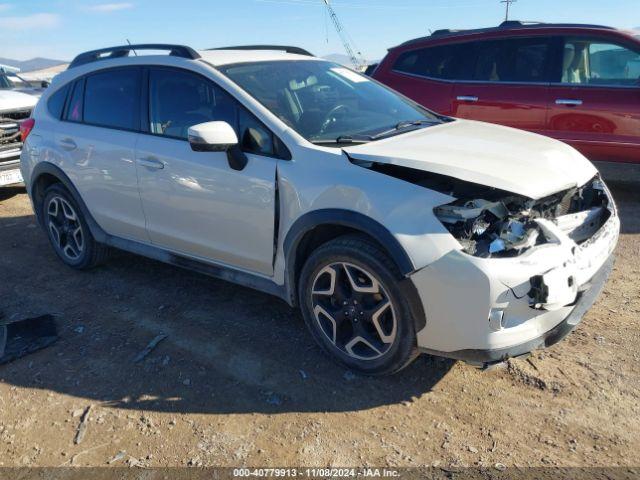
(491, 228)
(506, 225)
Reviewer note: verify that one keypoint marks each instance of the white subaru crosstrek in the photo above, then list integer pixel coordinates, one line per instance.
(394, 229)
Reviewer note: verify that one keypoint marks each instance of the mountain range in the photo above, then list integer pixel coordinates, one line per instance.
(40, 63)
(31, 65)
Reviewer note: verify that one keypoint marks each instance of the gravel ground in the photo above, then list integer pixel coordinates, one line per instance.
(239, 381)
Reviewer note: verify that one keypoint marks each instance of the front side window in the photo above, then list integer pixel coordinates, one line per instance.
(254, 136)
(111, 98)
(327, 103)
(179, 100)
(598, 62)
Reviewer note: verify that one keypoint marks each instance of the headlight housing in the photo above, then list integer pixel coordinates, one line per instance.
(506, 226)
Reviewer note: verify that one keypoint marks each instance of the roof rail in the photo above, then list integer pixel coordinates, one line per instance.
(283, 48)
(528, 24)
(503, 26)
(124, 50)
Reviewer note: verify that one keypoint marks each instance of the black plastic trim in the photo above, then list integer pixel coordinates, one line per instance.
(585, 301)
(347, 218)
(211, 269)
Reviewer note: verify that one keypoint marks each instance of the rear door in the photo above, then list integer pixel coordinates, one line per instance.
(595, 107)
(98, 136)
(195, 203)
(508, 84)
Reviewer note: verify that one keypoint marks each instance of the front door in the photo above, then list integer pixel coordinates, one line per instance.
(596, 105)
(195, 204)
(509, 83)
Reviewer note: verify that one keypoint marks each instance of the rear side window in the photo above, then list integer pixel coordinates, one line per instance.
(505, 60)
(513, 60)
(599, 62)
(448, 62)
(55, 104)
(179, 99)
(74, 107)
(111, 98)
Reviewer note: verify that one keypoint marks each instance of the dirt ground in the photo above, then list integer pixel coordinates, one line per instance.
(239, 381)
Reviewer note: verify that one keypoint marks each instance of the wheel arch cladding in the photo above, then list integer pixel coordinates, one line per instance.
(46, 174)
(318, 227)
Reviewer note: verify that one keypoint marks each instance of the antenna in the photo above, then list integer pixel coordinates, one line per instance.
(508, 4)
(134, 52)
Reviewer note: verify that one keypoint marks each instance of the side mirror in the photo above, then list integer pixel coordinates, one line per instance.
(44, 84)
(218, 137)
(212, 137)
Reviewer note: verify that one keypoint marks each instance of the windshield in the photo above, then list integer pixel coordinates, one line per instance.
(9, 81)
(325, 102)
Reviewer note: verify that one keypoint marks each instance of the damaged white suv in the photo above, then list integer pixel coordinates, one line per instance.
(395, 230)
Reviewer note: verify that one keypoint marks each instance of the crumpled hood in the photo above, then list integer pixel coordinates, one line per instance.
(500, 157)
(12, 100)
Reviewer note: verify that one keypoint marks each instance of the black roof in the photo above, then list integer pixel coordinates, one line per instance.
(504, 26)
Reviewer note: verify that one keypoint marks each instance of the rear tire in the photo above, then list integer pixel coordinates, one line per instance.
(68, 231)
(352, 303)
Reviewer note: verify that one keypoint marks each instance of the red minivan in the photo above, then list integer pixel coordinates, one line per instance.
(576, 83)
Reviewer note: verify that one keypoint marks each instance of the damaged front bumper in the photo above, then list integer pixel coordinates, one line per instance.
(485, 310)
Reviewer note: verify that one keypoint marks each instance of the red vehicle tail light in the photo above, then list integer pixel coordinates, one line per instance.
(26, 127)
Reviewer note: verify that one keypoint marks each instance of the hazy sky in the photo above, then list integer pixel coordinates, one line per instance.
(62, 28)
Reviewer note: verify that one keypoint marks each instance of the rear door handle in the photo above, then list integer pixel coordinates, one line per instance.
(467, 98)
(68, 144)
(569, 102)
(151, 162)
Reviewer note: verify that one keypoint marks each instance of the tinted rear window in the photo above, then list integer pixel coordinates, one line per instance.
(512, 60)
(74, 108)
(448, 62)
(504, 60)
(111, 98)
(56, 101)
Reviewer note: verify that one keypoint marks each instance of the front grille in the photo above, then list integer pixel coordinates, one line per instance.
(15, 115)
(10, 140)
(9, 132)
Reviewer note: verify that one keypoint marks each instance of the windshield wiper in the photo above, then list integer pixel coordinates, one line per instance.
(403, 125)
(345, 139)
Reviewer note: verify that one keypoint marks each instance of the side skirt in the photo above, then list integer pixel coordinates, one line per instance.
(221, 272)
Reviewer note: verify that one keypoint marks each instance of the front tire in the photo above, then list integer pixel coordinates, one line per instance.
(68, 231)
(352, 303)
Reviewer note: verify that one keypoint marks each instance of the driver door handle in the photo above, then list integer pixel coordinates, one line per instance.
(571, 102)
(467, 98)
(151, 162)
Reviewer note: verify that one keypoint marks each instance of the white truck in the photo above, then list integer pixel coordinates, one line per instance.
(15, 107)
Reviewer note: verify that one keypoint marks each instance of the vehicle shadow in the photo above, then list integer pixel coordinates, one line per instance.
(228, 349)
(9, 192)
(627, 197)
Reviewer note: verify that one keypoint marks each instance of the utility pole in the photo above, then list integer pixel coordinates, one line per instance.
(508, 4)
